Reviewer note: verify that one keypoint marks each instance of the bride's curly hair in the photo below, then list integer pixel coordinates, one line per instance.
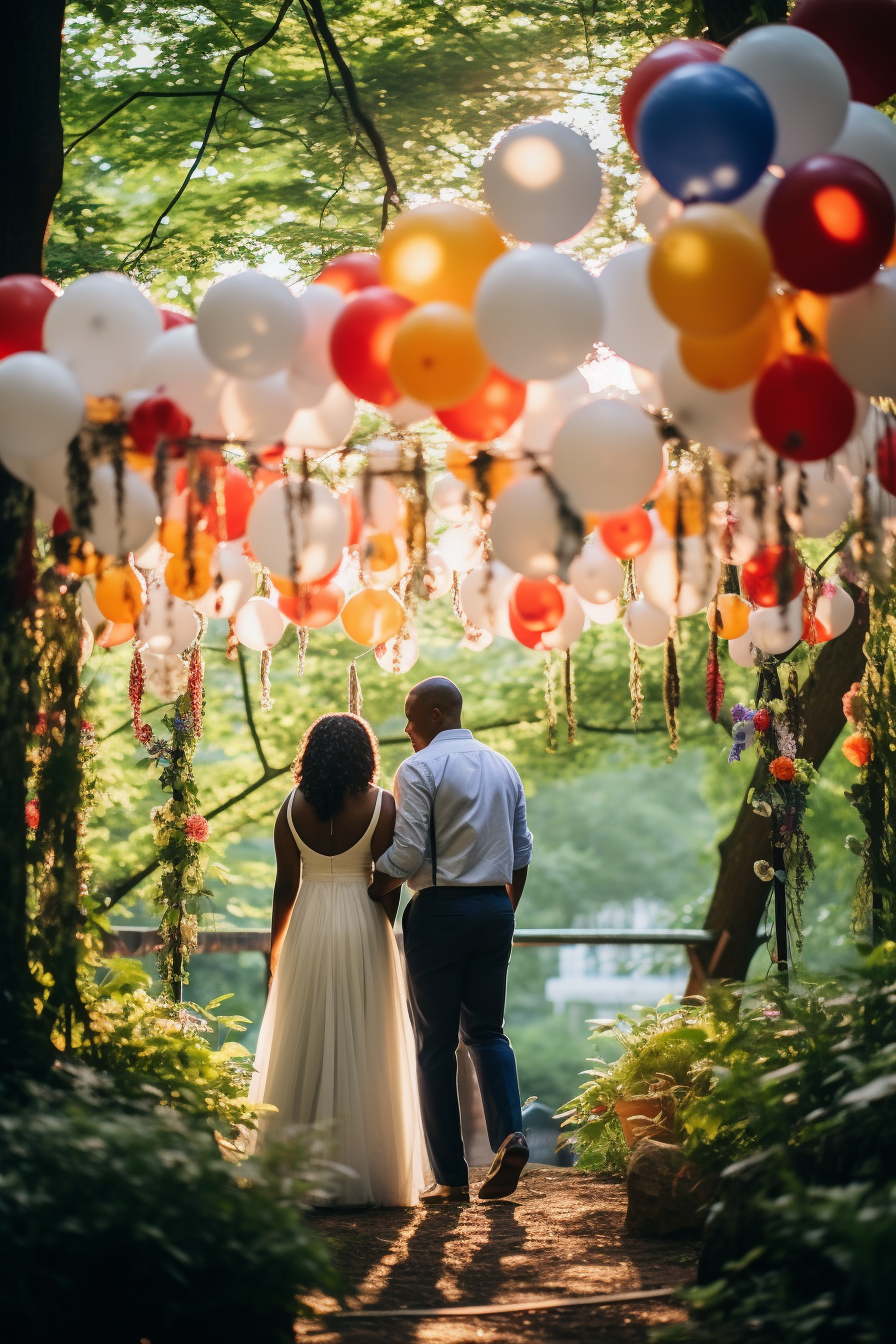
(337, 757)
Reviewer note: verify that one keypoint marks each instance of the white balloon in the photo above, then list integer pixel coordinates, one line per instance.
(232, 585)
(250, 325)
(655, 209)
(320, 305)
(861, 336)
(167, 674)
(870, 137)
(48, 474)
(380, 502)
(307, 393)
(722, 420)
(90, 612)
(633, 325)
(477, 641)
(41, 405)
(484, 596)
(138, 517)
(601, 613)
(828, 501)
(753, 202)
(835, 609)
(548, 403)
(257, 410)
(100, 327)
(45, 509)
(449, 498)
(438, 576)
(678, 593)
(596, 575)
(259, 624)
(776, 630)
(166, 624)
(319, 530)
(400, 653)
(804, 82)
(538, 313)
(571, 626)
(407, 412)
(460, 547)
(383, 455)
(324, 426)
(607, 457)
(742, 650)
(525, 530)
(175, 366)
(543, 182)
(645, 624)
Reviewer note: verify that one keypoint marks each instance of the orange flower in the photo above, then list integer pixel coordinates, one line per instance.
(857, 749)
(783, 768)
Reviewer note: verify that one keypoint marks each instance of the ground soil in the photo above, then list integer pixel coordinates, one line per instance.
(561, 1234)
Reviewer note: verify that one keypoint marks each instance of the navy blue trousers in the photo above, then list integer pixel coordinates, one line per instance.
(457, 945)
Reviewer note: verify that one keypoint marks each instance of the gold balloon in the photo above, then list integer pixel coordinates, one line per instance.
(438, 253)
(436, 356)
(726, 362)
(728, 615)
(372, 616)
(181, 583)
(710, 271)
(119, 594)
(681, 505)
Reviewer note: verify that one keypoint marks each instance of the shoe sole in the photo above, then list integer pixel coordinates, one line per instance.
(506, 1179)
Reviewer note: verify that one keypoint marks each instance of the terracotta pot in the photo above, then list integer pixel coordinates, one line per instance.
(643, 1118)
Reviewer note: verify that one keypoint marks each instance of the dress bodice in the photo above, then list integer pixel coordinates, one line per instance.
(352, 864)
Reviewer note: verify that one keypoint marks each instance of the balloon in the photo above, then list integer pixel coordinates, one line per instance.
(681, 505)
(100, 328)
(646, 625)
(438, 577)
(710, 271)
(525, 530)
(828, 500)
(298, 530)
(742, 651)
(438, 252)
(773, 573)
(655, 209)
(381, 504)
(116, 633)
(320, 305)
(257, 410)
(706, 133)
(186, 580)
(885, 459)
(862, 336)
(361, 344)
(449, 498)
(399, 654)
(548, 403)
(603, 613)
(804, 82)
(41, 406)
(542, 182)
(238, 497)
(633, 325)
(777, 629)
(119, 594)
(655, 66)
(166, 624)
(351, 272)
(138, 519)
(726, 362)
(607, 457)
(803, 408)
(436, 356)
(476, 640)
(249, 325)
(728, 615)
(259, 624)
(870, 137)
(46, 475)
(723, 420)
(175, 366)
(484, 597)
(863, 34)
(232, 583)
(677, 591)
(627, 534)
(538, 313)
(382, 559)
(373, 616)
(596, 575)
(406, 413)
(167, 675)
(156, 418)
(490, 411)
(830, 224)
(314, 605)
(537, 604)
(571, 626)
(24, 300)
(804, 322)
(460, 547)
(326, 425)
(174, 317)
(835, 609)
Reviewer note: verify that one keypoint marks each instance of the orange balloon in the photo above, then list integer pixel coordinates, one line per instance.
(173, 538)
(436, 356)
(115, 633)
(490, 412)
(680, 504)
(314, 606)
(372, 616)
(438, 252)
(728, 615)
(804, 322)
(628, 534)
(726, 362)
(119, 594)
(179, 581)
(380, 551)
(491, 476)
(710, 271)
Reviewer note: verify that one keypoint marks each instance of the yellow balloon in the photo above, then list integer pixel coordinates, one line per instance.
(436, 356)
(372, 616)
(726, 362)
(728, 615)
(179, 581)
(681, 505)
(438, 252)
(710, 271)
(495, 474)
(119, 594)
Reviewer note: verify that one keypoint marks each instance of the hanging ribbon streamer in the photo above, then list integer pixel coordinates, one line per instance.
(355, 698)
(569, 682)
(549, 701)
(233, 643)
(301, 649)
(635, 688)
(136, 687)
(671, 689)
(196, 688)
(264, 671)
(715, 685)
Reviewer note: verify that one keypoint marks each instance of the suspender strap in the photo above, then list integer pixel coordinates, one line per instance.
(432, 837)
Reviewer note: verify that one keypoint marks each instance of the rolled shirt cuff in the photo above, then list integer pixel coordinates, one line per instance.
(385, 865)
(522, 857)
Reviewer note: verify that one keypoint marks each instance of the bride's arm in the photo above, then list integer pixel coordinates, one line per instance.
(379, 843)
(286, 883)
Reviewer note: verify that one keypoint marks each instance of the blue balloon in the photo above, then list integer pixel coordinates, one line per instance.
(706, 132)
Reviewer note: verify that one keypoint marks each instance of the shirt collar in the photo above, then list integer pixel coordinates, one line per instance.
(450, 735)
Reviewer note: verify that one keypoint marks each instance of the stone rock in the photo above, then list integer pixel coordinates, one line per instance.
(666, 1196)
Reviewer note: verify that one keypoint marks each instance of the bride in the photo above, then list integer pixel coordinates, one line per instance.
(335, 1045)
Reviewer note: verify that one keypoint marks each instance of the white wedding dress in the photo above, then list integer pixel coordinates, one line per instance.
(335, 1046)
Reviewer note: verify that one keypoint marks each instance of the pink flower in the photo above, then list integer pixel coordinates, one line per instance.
(197, 829)
(40, 728)
(32, 814)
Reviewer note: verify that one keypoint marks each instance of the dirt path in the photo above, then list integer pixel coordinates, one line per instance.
(560, 1235)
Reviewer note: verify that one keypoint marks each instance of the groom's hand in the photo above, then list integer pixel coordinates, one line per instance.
(382, 884)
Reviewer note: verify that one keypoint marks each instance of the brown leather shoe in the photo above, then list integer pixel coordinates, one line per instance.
(507, 1167)
(445, 1194)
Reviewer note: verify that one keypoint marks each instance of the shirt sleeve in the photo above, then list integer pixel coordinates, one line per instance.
(413, 801)
(522, 836)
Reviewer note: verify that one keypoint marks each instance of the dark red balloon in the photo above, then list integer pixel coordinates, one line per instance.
(173, 317)
(863, 34)
(350, 273)
(24, 300)
(651, 69)
(361, 343)
(803, 408)
(772, 575)
(490, 412)
(157, 418)
(537, 604)
(886, 459)
(830, 224)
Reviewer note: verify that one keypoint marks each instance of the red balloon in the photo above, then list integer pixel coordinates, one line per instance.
(530, 639)
(537, 605)
(355, 515)
(830, 224)
(886, 459)
(490, 412)
(863, 34)
(238, 500)
(314, 605)
(768, 571)
(173, 317)
(350, 273)
(651, 69)
(803, 408)
(61, 523)
(361, 343)
(24, 300)
(157, 418)
(628, 534)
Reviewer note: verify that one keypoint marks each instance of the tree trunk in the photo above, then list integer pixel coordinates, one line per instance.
(739, 899)
(727, 19)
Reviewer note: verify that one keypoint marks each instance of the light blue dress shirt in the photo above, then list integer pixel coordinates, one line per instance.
(480, 815)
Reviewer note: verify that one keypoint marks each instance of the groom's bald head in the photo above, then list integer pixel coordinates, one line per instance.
(432, 707)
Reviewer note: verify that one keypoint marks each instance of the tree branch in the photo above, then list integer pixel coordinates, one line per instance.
(250, 715)
(155, 94)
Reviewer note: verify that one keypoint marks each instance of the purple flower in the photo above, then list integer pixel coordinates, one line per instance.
(742, 714)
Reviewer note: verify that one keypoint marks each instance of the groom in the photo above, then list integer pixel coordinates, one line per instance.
(462, 844)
